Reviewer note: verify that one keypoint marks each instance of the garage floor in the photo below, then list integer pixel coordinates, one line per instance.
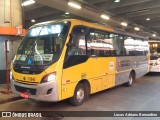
(144, 95)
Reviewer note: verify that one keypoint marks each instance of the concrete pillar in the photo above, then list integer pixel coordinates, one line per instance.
(11, 13)
(10, 18)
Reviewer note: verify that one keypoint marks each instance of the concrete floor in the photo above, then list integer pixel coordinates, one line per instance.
(144, 95)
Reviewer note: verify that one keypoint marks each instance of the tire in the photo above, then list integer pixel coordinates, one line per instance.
(80, 95)
(130, 80)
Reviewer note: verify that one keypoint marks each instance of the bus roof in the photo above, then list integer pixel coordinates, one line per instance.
(92, 25)
(154, 41)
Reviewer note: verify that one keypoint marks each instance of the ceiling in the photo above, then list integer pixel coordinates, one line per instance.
(132, 11)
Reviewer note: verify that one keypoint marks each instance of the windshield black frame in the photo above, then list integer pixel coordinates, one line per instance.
(20, 52)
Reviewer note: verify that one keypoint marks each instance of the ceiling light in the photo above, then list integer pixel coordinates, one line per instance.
(67, 13)
(154, 35)
(105, 17)
(136, 28)
(75, 5)
(33, 20)
(117, 1)
(148, 19)
(28, 2)
(124, 24)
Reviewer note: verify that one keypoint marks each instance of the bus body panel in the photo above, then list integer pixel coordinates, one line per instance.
(126, 64)
(100, 72)
(155, 65)
(37, 92)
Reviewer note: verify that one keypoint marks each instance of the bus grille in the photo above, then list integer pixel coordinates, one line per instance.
(28, 90)
(28, 72)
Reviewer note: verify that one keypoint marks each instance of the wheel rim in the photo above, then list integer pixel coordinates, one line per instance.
(130, 80)
(80, 95)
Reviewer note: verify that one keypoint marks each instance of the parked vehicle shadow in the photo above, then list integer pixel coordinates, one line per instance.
(153, 74)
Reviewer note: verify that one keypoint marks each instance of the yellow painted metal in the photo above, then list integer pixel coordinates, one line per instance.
(96, 71)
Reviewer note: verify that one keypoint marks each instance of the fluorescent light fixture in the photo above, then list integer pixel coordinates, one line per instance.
(67, 13)
(33, 20)
(124, 24)
(28, 2)
(148, 19)
(65, 22)
(154, 35)
(75, 5)
(117, 1)
(136, 28)
(105, 17)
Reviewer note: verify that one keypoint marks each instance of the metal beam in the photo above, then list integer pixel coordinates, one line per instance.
(45, 18)
(95, 1)
(40, 12)
(156, 30)
(111, 4)
(151, 20)
(32, 7)
(143, 17)
(141, 13)
(136, 8)
(151, 24)
(85, 12)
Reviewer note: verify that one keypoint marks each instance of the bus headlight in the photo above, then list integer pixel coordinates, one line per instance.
(49, 77)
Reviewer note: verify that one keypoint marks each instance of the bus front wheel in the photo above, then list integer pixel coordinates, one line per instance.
(80, 94)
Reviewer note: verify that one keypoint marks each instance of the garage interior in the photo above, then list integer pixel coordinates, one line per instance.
(141, 17)
(144, 14)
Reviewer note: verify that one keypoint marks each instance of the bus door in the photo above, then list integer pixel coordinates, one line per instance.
(95, 51)
(101, 51)
(98, 73)
(76, 63)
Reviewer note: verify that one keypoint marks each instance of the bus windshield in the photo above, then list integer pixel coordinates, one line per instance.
(42, 45)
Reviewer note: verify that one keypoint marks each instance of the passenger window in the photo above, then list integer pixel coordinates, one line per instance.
(139, 51)
(129, 45)
(136, 46)
(117, 42)
(145, 47)
(96, 43)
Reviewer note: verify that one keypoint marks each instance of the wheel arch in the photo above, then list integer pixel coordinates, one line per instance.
(86, 83)
(133, 73)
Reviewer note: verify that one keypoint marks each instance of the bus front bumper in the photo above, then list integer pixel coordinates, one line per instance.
(41, 92)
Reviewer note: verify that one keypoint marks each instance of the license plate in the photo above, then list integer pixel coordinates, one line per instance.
(24, 95)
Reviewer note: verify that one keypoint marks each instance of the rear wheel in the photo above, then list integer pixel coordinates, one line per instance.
(80, 95)
(130, 80)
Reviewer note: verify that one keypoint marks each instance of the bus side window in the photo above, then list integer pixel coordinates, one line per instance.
(117, 44)
(129, 46)
(95, 43)
(77, 45)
